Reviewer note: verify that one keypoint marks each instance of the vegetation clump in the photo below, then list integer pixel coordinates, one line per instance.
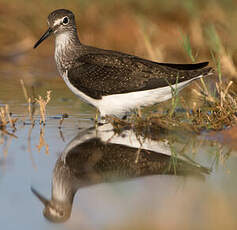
(217, 113)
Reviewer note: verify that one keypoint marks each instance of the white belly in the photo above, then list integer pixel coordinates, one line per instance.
(119, 104)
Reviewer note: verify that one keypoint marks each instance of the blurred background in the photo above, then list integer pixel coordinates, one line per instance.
(178, 31)
(166, 31)
(152, 29)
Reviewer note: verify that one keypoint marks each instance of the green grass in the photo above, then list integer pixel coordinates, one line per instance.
(187, 46)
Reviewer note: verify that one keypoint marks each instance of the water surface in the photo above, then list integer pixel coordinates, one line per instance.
(172, 180)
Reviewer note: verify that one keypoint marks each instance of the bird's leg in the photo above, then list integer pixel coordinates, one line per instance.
(124, 117)
(96, 115)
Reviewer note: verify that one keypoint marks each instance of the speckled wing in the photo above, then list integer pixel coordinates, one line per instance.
(99, 75)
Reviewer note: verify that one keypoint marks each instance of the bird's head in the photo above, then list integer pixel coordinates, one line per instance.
(54, 211)
(59, 21)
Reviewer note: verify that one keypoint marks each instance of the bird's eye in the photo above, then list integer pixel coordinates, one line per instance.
(61, 213)
(65, 20)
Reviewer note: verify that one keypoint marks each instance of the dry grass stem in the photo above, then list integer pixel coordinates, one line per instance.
(217, 113)
(11, 121)
(30, 111)
(29, 101)
(227, 63)
(42, 103)
(5, 118)
(24, 89)
(62, 119)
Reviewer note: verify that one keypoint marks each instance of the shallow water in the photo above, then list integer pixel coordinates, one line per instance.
(119, 180)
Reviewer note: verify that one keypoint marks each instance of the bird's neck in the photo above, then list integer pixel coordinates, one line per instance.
(66, 49)
(64, 184)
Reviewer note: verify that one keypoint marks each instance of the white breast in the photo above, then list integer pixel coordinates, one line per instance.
(80, 94)
(61, 44)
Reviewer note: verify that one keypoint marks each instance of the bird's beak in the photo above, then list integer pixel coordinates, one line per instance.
(40, 197)
(45, 35)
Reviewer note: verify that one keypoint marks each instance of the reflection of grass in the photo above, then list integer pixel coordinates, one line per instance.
(42, 142)
(161, 33)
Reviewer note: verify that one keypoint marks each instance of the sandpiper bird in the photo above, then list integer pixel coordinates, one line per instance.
(112, 81)
(99, 155)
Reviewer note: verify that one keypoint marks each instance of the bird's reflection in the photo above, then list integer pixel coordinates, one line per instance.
(100, 155)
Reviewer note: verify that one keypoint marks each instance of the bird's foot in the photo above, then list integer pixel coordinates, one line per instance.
(100, 120)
